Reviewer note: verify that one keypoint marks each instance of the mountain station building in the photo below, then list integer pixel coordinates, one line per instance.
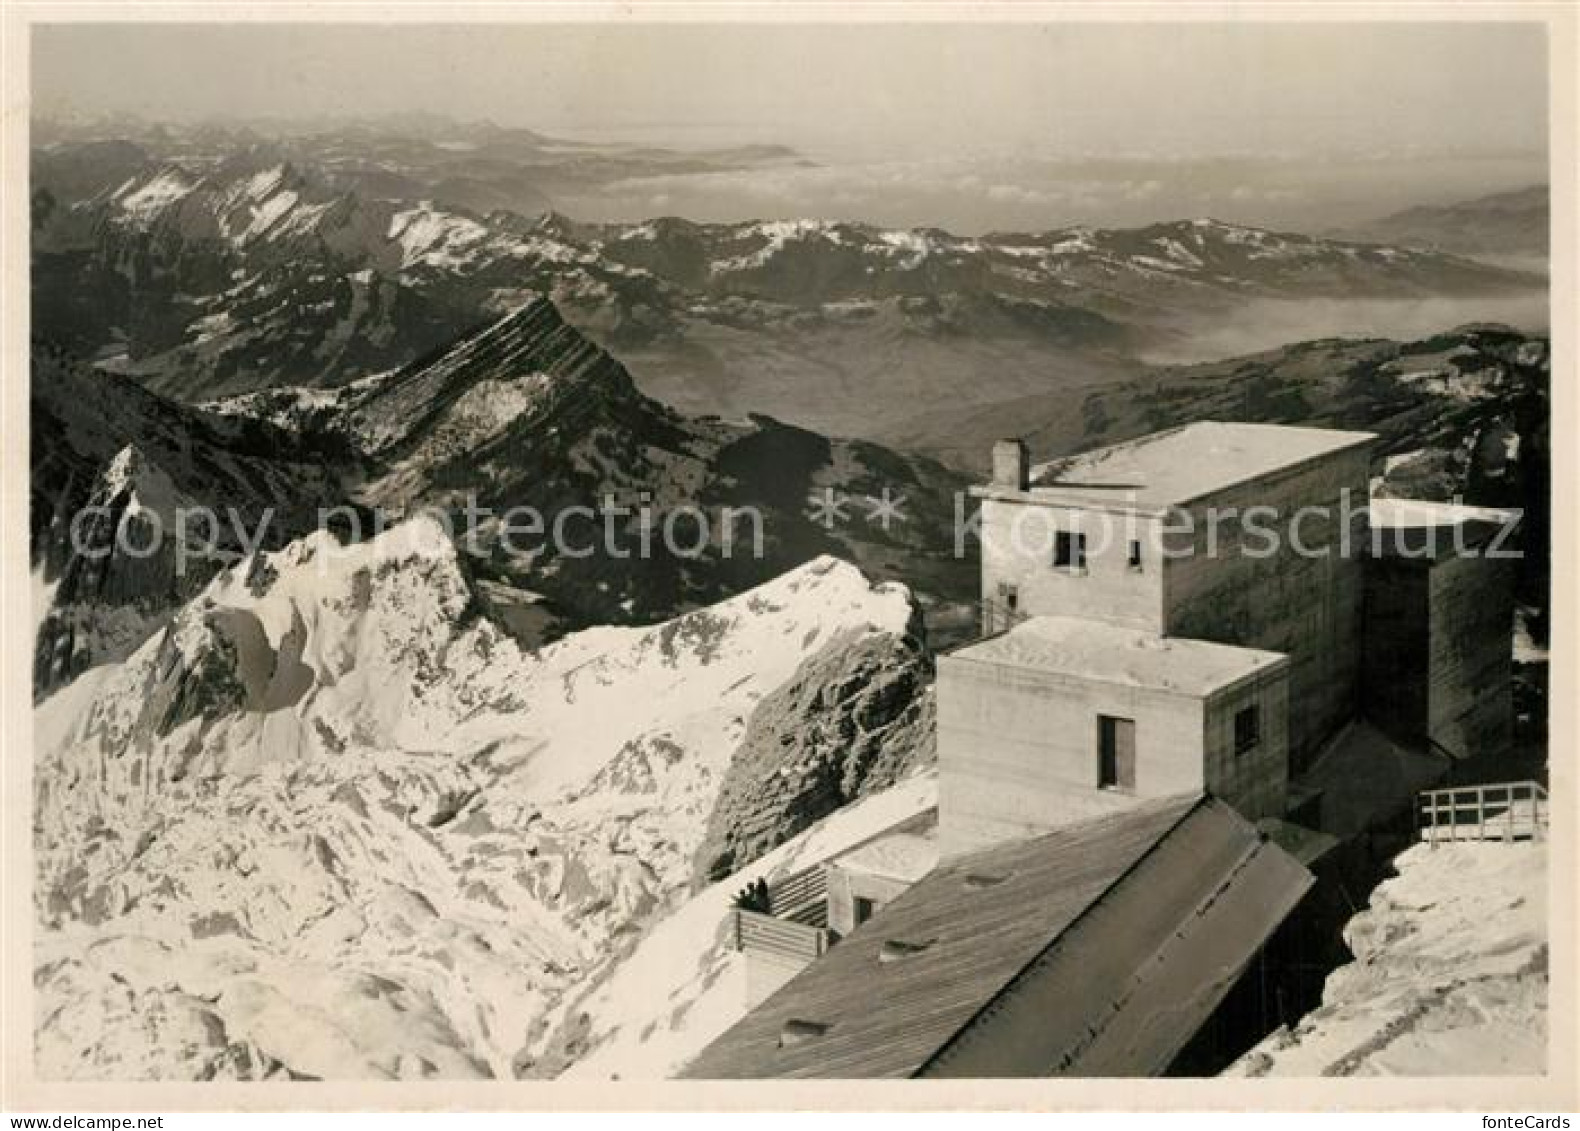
(1193, 643)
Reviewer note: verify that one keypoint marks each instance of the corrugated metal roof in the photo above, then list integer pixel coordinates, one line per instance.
(909, 992)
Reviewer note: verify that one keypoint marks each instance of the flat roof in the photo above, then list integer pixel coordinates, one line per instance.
(1176, 466)
(1107, 653)
(900, 856)
(908, 988)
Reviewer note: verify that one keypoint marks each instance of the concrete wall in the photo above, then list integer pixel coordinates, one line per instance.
(1395, 648)
(1017, 549)
(845, 886)
(1255, 781)
(1470, 697)
(1228, 589)
(1017, 749)
(1437, 652)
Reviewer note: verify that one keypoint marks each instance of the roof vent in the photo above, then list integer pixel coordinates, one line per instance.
(893, 950)
(985, 879)
(797, 1031)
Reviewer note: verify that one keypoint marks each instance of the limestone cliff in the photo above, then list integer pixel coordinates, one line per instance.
(856, 717)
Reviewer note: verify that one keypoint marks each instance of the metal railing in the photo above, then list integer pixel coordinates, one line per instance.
(1496, 811)
(783, 937)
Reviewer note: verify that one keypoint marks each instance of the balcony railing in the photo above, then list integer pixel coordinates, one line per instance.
(801, 897)
(786, 938)
(1502, 811)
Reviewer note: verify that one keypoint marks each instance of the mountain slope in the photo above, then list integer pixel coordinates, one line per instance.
(526, 418)
(1431, 393)
(332, 822)
(521, 421)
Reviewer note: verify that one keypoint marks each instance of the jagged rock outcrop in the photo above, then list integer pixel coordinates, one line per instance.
(856, 717)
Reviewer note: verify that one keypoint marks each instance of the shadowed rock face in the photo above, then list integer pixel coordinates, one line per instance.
(856, 717)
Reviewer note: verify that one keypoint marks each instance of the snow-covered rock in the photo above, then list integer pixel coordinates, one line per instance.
(1449, 977)
(332, 821)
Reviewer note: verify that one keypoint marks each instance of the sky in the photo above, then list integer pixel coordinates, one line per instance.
(961, 125)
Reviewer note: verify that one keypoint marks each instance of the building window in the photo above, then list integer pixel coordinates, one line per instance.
(1247, 729)
(1135, 555)
(1069, 551)
(864, 910)
(1116, 753)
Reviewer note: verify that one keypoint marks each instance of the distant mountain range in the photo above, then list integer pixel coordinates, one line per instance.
(242, 271)
(476, 166)
(1506, 227)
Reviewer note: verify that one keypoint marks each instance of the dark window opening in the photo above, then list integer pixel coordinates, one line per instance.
(1135, 555)
(1247, 729)
(1069, 550)
(864, 910)
(1116, 753)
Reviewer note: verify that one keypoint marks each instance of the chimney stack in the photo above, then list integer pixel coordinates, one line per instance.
(1011, 465)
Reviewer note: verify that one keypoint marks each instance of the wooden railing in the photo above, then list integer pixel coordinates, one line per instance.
(783, 937)
(802, 897)
(1500, 811)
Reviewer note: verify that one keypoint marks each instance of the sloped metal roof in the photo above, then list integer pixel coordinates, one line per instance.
(919, 988)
